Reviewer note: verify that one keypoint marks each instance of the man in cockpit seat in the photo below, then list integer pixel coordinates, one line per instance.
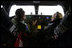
(63, 31)
(56, 19)
(21, 26)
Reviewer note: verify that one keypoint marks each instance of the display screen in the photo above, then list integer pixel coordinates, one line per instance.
(47, 17)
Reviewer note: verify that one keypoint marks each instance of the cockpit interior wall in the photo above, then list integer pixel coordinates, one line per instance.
(5, 20)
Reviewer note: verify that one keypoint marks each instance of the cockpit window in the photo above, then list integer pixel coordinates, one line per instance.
(42, 10)
(50, 10)
(27, 8)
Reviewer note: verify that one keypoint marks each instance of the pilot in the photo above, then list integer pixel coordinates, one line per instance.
(19, 21)
(56, 19)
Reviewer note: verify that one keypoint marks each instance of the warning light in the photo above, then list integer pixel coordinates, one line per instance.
(39, 27)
